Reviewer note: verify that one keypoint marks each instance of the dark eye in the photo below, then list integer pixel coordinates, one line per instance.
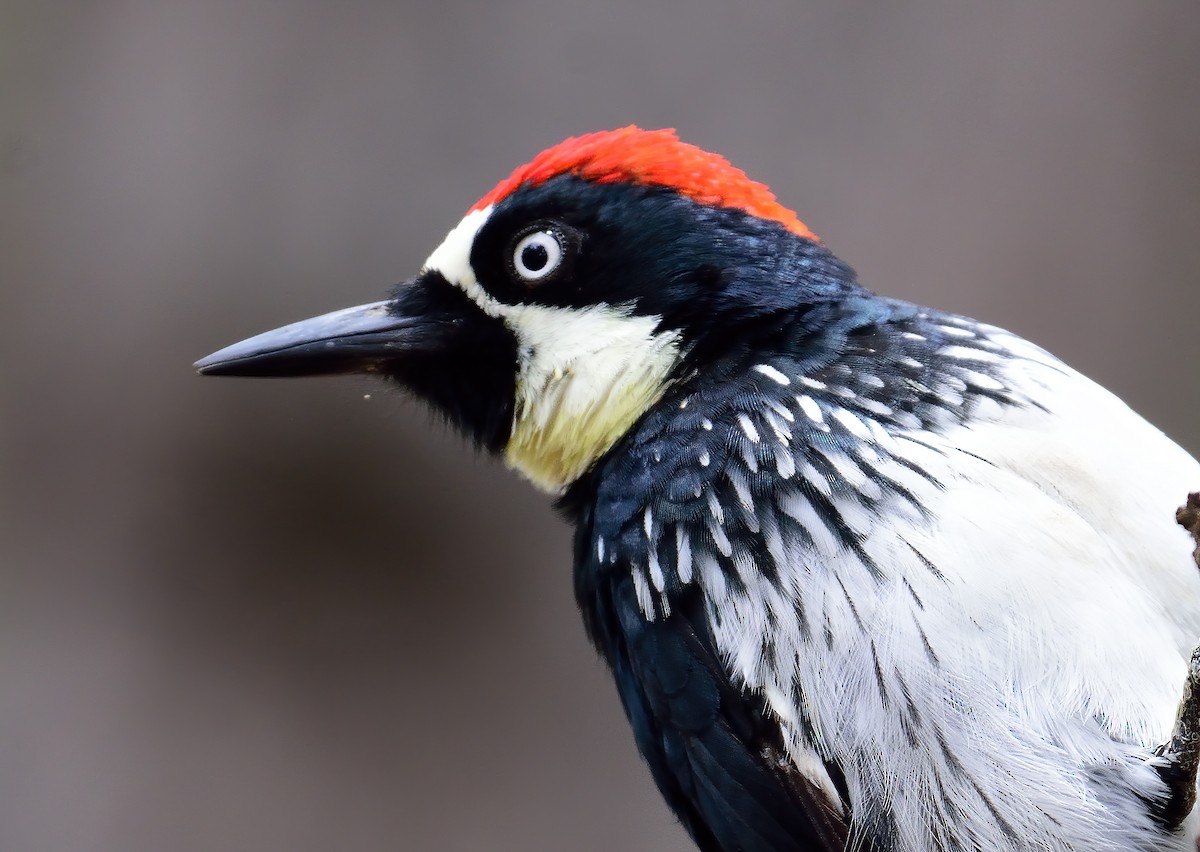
(537, 254)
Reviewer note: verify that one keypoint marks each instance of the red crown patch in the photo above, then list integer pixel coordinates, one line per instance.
(651, 158)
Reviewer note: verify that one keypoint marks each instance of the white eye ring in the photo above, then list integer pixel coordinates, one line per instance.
(537, 255)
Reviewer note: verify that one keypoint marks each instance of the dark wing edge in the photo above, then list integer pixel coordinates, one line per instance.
(715, 754)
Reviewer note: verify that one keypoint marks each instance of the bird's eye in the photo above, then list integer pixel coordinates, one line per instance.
(537, 255)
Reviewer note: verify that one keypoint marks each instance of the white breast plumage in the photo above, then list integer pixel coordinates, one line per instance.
(971, 621)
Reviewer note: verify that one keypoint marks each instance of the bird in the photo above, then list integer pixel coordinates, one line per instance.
(868, 575)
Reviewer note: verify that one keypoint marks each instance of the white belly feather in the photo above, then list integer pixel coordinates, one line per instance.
(1030, 633)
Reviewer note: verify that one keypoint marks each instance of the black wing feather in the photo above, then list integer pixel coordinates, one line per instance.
(713, 751)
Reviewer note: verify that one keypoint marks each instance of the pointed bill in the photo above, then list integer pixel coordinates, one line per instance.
(350, 340)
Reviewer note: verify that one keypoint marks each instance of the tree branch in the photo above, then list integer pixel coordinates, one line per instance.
(1178, 759)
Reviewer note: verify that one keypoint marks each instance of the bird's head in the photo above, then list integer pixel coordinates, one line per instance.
(571, 297)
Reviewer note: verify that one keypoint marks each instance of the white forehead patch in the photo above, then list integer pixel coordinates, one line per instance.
(453, 257)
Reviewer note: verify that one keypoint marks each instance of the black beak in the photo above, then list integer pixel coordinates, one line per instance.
(430, 338)
(353, 340)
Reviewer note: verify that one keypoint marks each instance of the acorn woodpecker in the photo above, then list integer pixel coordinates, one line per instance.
(868, 575)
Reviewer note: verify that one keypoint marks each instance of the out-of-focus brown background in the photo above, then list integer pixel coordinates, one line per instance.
(244, 615)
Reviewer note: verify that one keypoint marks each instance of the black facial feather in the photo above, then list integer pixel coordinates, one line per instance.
(470, 376)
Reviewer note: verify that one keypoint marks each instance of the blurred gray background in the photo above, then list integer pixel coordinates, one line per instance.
(241, 615)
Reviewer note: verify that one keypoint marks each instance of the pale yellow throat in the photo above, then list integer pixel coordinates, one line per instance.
(585, 375)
